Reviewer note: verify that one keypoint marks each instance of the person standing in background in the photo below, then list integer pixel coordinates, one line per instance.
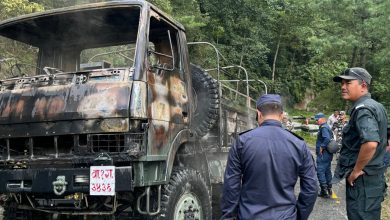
(324, 158)
(363, 148)
(333, 118)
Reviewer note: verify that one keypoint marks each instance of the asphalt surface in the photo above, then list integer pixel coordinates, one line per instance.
(332, 208)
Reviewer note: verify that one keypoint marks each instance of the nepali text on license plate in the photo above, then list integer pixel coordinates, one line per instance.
(102, 180)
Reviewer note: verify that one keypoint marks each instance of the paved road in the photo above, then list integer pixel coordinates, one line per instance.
(334, 208)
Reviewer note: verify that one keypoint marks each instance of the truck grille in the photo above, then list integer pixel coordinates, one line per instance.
(69, 145)
(113, 143)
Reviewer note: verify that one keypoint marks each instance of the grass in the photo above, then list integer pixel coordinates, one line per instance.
(310, 139)
(295, 112)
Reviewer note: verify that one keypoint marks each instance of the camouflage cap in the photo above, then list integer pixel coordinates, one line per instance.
(354, 73)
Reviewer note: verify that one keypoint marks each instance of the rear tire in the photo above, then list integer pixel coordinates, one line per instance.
(186, 196)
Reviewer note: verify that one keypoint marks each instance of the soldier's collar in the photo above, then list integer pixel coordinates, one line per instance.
(323, 124)
(358, 103)
(271, 122)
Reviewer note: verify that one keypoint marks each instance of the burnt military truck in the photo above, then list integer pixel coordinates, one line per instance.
(102, 116)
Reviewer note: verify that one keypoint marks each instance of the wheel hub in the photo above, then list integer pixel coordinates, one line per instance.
(188, 207)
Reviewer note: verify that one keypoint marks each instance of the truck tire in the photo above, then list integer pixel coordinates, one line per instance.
(186, 196)
(206, 101)
(11, 212)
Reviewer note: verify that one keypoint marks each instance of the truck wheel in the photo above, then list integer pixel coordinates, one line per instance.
(11, 212)
(186, 196)
(206, 102)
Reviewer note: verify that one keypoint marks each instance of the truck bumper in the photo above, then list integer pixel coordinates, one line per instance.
(41, 180)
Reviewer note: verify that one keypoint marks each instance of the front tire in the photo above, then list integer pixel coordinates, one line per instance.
(186, 196)
(12, 212)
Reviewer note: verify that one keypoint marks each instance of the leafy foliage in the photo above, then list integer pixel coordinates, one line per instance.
(295, 46)
(12, 8)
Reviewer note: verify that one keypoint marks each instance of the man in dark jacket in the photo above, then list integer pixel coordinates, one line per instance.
(263, 167)
(324, 157)
(363, 147)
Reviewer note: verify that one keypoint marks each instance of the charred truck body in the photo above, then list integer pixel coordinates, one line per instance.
(105, 117)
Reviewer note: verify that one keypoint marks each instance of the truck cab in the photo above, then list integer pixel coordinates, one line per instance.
(101, 116)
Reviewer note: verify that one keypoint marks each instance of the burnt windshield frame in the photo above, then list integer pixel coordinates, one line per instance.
(61, 37)
(73, 27)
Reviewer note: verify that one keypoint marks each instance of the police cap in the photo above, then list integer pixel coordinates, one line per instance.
(269, 98)
(319, 115)
(354, 73)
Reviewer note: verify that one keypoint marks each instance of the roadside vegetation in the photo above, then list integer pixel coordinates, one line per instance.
(294, 46)
(310, 139)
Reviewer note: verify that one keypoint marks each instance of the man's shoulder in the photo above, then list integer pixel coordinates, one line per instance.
(294, 135)
(370, 106)
(255, 131)
(244, 132)
(325, 126)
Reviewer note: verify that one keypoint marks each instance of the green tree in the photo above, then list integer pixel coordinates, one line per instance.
(354, 33)
(12, 8)
(295, 46)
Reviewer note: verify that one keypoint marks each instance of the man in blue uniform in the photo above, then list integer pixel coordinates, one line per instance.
(324, 158)
(363, 147)
(263, 167)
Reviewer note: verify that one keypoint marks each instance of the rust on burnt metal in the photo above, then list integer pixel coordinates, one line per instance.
(168, 109)
(93, 102)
